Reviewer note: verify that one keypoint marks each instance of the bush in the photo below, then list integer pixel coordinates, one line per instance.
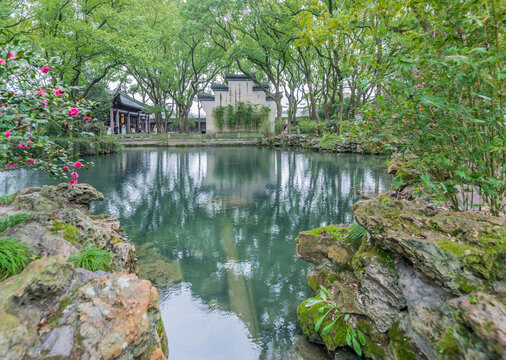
(14, 256)
(92, 258)
(12, 220)
(310, 126)
(7, 199)
(244, 116)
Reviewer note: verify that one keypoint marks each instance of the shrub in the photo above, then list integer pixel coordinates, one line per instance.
(356, 234)
(7, 199)
(310, 126)
(12, 220)
(14, 256)
(92, 258)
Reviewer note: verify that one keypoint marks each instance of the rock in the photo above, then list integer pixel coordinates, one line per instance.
(27, 298)
(403, 228)
(59, 224)
(161, 272)
(84, 276)
(379, 287)
(486, 317)
(59, 341)
(324, 245)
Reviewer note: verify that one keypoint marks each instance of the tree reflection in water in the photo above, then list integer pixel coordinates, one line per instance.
(229, 216)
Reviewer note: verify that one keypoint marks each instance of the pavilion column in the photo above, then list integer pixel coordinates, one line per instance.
(111, 120)
(128, 123)
(147, 125)
(117, 122)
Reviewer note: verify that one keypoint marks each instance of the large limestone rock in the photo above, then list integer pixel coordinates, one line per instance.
(407, 286)
(59, 224)
(51, 310)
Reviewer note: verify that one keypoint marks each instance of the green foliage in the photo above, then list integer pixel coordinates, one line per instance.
(30, 99)
(356, 234)
(9, 221)
(92, 258)
(7, 199)
(14, 256)
(309, 126)
(329, 309)
(244, 116)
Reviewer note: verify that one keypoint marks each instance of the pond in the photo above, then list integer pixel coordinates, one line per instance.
(221, 222)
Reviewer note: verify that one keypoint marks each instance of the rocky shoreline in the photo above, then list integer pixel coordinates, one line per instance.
(52, 309)
(424, 283)
(350, 145)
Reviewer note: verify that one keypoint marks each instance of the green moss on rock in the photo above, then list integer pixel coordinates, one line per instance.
(448, 345)
(399, 343)
(68, 231)
(337, 232)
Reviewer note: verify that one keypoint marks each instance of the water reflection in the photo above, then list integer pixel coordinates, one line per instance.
(228, 218)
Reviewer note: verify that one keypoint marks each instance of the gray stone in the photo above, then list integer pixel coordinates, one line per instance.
(59, 341)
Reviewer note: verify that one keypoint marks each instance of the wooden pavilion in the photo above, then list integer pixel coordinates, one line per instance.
(128, 115)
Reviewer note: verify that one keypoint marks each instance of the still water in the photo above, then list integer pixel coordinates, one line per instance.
(222, 222)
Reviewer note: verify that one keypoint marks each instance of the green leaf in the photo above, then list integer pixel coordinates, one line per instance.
(348, 338)
(356, 347)
(346, 317)
(320, 322)
(361, 337)
(327, 328)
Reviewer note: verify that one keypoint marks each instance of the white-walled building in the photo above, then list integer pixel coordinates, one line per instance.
(237, 88)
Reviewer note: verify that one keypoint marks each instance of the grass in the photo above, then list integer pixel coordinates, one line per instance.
(14, 256)
(356, 234)
(92, 258)
(9, 221)
(7, 199)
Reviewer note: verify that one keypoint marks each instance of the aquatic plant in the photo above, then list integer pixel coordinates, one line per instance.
(330, 310)
(14, 256)
(92, 258)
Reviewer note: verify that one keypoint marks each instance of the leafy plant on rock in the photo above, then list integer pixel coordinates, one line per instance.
(330, 309)
(356, 234)
(14, 256)
(92, 258)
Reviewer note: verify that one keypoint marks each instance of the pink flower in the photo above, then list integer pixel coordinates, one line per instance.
(72, 182)
(379, 142)
(44, 104)
(2, 61)
(65, 167)
(86, 117)
(83, 100)
(416, 76)
(73, 111)
(58, 92)
(11, 165)
(74, 175)
(46, 69)
(21, 145)
(423, 84)
(30, 141)
(61, 150)
(11, 55)
(78, 165)
(404, 125)
(56, 215)
(419, 86)
(30, 160)
(8, 133)
(41, 92)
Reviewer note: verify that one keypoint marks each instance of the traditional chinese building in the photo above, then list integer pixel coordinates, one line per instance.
(237, 88)
(128, 115)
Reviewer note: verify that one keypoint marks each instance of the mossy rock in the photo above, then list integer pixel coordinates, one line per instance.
(68, 231)
(448, 345)
(399, 347)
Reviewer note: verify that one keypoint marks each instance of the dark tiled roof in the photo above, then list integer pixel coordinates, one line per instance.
(237, 77)
(205, 97)
(258, 88)
(219, 87)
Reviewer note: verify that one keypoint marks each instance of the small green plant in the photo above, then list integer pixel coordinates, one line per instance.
(14, 256)
(7, 199)
(354, 337)
(92, 258)
(356, 235)
(12, 220)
